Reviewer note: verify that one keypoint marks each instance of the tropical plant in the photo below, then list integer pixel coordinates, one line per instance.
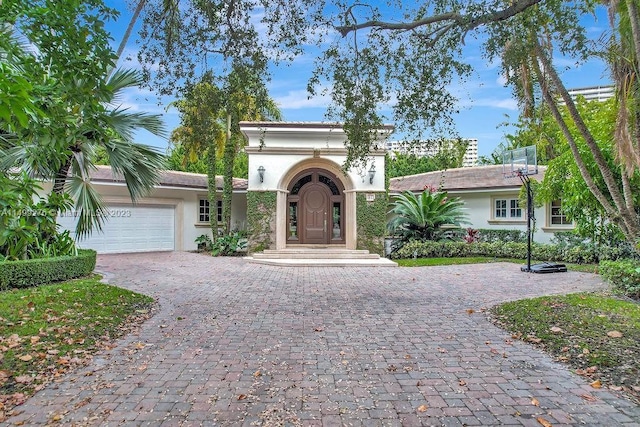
(77, 105)
(425, 216)
(28, 229)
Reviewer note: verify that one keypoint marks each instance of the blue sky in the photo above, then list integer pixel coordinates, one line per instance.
(485, 104)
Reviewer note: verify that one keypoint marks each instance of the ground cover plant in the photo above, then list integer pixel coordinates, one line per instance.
(47, 330)
(597, 335)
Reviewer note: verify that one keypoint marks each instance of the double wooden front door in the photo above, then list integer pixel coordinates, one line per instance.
(315, 209)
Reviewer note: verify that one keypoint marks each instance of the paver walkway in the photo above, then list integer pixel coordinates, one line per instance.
(235, 343)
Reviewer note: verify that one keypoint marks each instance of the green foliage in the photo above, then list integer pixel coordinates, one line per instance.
(35, 272)
(577, 254)
(447, 157)
(261, 216)
(428, 216)
(74, 106)
(204, 242)
(492, 235)
(371, 218)
(235, 243)
(28, 229)
(177, 160)
(624, 276)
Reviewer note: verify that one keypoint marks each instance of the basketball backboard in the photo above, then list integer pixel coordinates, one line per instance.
(520, 162)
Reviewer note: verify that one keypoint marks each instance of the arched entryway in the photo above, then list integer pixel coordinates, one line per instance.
(315, 209)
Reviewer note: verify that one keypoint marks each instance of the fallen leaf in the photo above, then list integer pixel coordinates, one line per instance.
(614, 334)
(544, 422)
(470, 311)
(535, 402)
(23, 379)
(318, 329)
(615, 388)
(242, 397)
(442, 350)
(588, 397)
(556, 330)
(596, 384)
(407, 356)
(422, 408)
(25, 357)
(257, 374)
(462, 383)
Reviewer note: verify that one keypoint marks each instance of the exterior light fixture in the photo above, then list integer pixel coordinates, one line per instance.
(261, 170)
(372, 173)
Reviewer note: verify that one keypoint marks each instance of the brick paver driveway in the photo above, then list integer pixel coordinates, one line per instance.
(234, 343)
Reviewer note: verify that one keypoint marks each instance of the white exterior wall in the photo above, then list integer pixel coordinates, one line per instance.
(479, 206)
(286, 149)
(185, 202)
(279, 149)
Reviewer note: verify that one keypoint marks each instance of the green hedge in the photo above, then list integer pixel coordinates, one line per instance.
(587, 254)
(41, 271)
(623, 275)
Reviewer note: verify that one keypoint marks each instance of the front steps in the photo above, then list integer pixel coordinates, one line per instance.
(320, 256)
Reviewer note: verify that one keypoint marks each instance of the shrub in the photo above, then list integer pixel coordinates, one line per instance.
(493, 235)
(230, 244)
(624, 276)
(40, 271)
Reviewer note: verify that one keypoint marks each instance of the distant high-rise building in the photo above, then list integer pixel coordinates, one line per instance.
(593, 93)
(428, 149)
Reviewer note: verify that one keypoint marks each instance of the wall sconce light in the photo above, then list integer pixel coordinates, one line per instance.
(261, 170)
(372, 173)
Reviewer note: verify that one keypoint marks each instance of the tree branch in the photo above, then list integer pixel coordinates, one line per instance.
(468, 22)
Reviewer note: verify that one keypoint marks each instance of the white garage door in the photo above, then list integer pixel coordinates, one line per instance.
(140, 228)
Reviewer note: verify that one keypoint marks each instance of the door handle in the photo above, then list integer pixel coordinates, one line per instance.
(325, 226)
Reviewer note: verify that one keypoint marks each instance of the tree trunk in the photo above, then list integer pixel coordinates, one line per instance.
(61, 178)
(227, 187)
(127, 34)
(619, 214)
(212, 186)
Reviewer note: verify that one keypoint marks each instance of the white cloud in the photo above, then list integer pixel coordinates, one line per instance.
(299, 99)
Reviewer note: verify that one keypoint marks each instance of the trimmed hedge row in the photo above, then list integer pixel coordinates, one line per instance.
(587, 254)
(624, 276)
(41, 271)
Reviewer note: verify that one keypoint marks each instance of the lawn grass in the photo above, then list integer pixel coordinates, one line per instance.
(597, 334)
(46, 330)
(428, 262)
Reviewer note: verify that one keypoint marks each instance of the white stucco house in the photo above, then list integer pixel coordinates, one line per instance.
(297, 195)
(490, 199)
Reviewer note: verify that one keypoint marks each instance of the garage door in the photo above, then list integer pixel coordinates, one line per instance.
(140, 228)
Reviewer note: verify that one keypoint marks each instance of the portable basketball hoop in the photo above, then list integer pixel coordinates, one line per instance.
(522, 163)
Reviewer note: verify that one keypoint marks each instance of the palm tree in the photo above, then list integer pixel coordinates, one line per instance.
(71, 163)
(424, 216)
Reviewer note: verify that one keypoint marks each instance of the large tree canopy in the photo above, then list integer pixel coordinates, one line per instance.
(409, 55)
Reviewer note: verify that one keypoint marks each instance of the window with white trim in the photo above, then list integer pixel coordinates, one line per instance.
(204, 211)
(507, 209)
(556, 216)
